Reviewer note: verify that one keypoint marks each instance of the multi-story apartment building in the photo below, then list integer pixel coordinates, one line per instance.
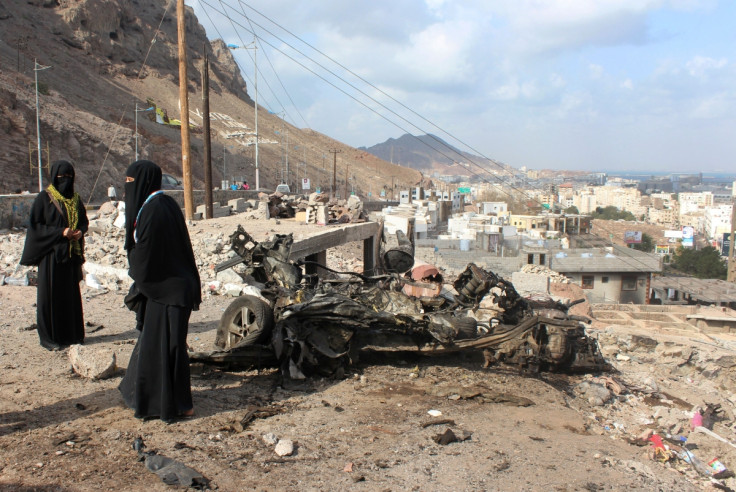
(667, 217)
(717, 220)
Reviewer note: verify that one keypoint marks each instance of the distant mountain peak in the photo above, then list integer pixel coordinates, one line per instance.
(431, 154)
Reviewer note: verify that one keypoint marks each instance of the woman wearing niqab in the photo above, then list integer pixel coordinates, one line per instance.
(55, 243)
(165, 291)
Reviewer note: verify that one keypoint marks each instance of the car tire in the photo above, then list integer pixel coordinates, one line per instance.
(246, 321)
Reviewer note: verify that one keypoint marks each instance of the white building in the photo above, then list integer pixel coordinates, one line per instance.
(717, 220)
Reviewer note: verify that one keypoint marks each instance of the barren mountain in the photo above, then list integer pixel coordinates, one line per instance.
(430, 154)
(108, 57)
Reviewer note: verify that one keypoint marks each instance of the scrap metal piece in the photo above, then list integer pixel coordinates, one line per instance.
(399, 256)
(473, 284)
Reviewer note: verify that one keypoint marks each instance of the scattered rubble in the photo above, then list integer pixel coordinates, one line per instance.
(545, 272)
(285, 447)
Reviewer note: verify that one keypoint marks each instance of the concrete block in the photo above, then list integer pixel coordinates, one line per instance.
(322, 215)
(530, 283)
(217, 210)
(300, 217)
(238, 205)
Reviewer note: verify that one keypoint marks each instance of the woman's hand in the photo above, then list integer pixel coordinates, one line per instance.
(72, 235)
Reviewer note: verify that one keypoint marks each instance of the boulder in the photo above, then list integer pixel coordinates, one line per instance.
(92, 363)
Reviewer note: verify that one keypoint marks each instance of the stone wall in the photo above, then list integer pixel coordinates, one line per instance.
(15, 210)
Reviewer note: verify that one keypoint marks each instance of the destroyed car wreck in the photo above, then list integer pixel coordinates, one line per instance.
(313, 325)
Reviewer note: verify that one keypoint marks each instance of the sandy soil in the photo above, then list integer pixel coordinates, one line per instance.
(368, 431)
(63, 432)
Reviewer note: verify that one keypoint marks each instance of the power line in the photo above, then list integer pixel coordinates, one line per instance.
(275, 72)
(338, 77)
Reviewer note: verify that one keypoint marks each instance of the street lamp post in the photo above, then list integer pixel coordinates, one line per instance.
(225, 148)
(254, 47)
(136, 127)
(37, 68)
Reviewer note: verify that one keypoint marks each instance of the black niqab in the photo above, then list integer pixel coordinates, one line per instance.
(162, 262)
(147, 179)
(62, 177)
(47, 222)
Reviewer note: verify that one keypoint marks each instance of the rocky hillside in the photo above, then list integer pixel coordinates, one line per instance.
(106, 57)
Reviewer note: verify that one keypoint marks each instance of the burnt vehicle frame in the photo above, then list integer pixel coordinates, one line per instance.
(307, 324)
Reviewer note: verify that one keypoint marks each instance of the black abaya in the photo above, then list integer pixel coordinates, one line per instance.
(59, 315)
(166, 288)
(156, 383)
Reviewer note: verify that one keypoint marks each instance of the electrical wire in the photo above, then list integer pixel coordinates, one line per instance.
(265, 54)
(482, 178)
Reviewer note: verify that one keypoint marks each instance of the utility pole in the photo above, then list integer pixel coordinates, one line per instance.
(346, 178)
(333, 190)
(254, 47)
(255, 78)
(184, 110)
(136, 126)
(224, 169)
(731, 260)
(207, 137)
(287, 156)
(37, 68)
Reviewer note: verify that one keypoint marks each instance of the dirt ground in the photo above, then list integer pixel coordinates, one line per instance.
(369, 431)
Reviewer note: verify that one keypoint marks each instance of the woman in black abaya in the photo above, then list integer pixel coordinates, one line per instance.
(165, 291)
(55, 243)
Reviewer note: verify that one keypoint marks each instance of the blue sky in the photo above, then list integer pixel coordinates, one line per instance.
(646, 85)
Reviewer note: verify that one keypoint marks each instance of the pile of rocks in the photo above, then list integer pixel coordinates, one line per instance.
(554, 277)
(318, 209)
(280, 205)
(106, 266)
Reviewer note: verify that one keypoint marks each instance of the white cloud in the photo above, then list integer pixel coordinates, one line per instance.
(701, 65)
(555, 66)
(715, 106)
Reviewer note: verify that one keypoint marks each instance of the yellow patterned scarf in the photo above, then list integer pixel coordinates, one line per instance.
(72, 212)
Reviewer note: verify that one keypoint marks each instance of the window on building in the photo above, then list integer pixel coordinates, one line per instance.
(542, 259)
(587, 282)
(530, 259)
(604, 280)
(628, 282)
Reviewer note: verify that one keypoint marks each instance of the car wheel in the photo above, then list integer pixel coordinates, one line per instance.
(247, 320)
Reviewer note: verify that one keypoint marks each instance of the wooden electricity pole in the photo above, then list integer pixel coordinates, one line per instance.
(333, 191)
(207, 137)
(184, 110)
(347, 176)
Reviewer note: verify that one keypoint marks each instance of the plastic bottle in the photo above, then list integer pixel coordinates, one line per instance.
(16, 281)
(676, 438)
